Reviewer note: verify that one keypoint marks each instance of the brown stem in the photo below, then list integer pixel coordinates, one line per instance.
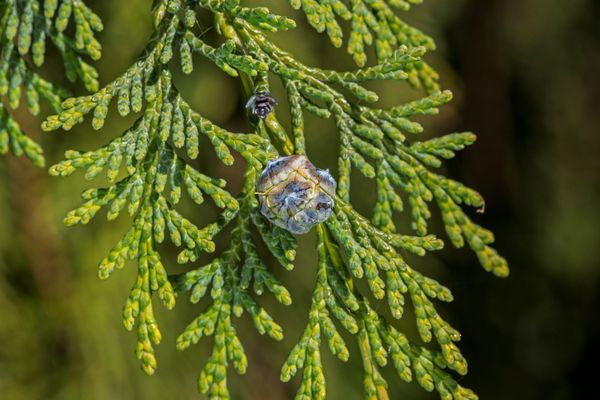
(271, 123)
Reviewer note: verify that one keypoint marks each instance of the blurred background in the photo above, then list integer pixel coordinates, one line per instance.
(525, 74)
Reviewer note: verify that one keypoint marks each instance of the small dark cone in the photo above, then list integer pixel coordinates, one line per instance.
(261, 104)
(262, 110)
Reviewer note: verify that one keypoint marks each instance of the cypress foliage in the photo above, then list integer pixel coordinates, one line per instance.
(26, 26)
(148, 167)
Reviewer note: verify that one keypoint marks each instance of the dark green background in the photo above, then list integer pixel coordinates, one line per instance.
(525, 78)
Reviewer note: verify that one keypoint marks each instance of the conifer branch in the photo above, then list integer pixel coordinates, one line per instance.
(372, 23)
(148, 168)
(25, 28)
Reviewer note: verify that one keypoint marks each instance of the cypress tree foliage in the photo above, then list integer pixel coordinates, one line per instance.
(25, 28)
(149, 166)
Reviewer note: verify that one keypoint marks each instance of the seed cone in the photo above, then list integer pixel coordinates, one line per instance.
(294, 194)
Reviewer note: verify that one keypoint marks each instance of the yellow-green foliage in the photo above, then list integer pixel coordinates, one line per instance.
(148, 169)
(25, 27)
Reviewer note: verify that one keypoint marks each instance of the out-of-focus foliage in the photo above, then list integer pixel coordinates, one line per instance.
(90, 355)
(25, 28)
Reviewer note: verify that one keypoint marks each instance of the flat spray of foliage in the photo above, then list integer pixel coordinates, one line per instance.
(150, 168)
(25, 29)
